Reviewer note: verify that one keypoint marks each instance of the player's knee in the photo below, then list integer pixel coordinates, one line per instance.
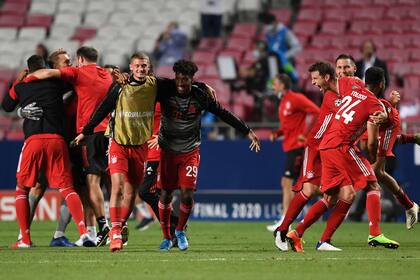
(309, 190)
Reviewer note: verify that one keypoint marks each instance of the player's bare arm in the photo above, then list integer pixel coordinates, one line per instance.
(255, 142)
(372, 142)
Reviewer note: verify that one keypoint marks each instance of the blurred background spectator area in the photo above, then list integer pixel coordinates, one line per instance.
(230, 57)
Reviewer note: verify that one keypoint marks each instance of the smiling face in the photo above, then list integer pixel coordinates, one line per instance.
(183, 83)
(139, 68)
(345, 68)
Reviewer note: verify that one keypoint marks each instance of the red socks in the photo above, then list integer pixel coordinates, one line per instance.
(314, 213)
(76, 208)
(22, 213)
(125, 213)
(165, 211)
(404, 200)
(296, 205)
(184, 213)
(373, 207)
(115, 216)
(336, 218)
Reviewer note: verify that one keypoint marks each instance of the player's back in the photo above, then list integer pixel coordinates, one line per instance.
(48, 94)
(350, 121)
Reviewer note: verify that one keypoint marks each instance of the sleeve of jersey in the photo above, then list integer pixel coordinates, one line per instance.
(10, 101)
(375, 106)
(69, 74)
(226, 116)
(106, 107)
(306, 105)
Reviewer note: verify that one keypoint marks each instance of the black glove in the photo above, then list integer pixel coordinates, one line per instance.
(31, 112)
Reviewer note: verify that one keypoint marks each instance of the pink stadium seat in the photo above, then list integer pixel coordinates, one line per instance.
(38, 20)
(204, 57)
(303, 39)
(82, 34)
(415, 68)
(374, 13)
(415, 41)
(414, 13)
(11, 20)
(244, 30)
(396, 13)
(15, 134)
(282, 15)
(311, 4)
(381, 41)
(399, 41)
(415, 55)
(305, 28)
(400, 68)
(382, 3)
(211, 71)
(238, 44)
(249, 58)
(394, 55)
(237, 55)
(5, 122)
(333, 27)
(359, 27)
(339, 42)
(407, 2)
(309, 15)
(336, 14)
(165, 71)
(7, 75)
(10, 8)
(334, 3)
(411, 27)
(321, 41)
(263, 133)
(359, 3)
(211, 44)
(355, 41)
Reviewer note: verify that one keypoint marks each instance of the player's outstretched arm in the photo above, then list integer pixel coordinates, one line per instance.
(43, 74)
(379, 117)
(255, 142)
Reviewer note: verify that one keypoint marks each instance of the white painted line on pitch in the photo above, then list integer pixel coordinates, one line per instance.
(233, 260)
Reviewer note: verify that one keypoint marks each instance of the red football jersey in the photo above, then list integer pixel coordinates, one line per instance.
(329, 107)
(350, 121)
(292, 111)
(91, 84)
(394, 121)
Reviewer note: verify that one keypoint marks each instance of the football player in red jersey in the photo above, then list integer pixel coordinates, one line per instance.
(294, 108)
(344, 169)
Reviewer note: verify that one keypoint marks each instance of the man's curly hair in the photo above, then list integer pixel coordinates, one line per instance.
(185, 67)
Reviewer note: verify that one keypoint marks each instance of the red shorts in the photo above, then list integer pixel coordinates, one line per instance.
(345, 166)
(311, 169)
(153, 154)
(387, 139)
(128, 160)
(46, 153)
(179, 171)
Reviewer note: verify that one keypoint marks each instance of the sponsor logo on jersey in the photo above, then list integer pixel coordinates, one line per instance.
(358, 95)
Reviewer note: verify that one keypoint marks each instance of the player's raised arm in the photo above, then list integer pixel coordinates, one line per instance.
(46, 74)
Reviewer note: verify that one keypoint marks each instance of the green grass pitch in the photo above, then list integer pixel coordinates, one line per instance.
(218, 250)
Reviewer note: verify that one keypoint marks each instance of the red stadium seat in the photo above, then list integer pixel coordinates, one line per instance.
(7, 75)
(359, 27)
(305, 28)
(382, 3)
(249, 58)
(355, 41)
(204, 57)
(321, 41)
(311, 4)
(238, 44)
(396, 13)
(394, 55)
(82, 34)
(165, 71)
(244, 30)
(369, 14)
(415, 68)
(5, 122)
(334, 3)
(309, 15)
(399, 41)
(411, 27)
(407, 2)
(11, 20)
(263, 133)
(414, 13)
(38, 20)
(10, 8)
(237, 55)
(15, 134)
(211, 44)
(333, 27)
(400, 68)
(336, 14)
(211, 72)
(358, 3)
(282, 15)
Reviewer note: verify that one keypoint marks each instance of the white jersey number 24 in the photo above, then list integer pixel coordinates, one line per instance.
(345, 110)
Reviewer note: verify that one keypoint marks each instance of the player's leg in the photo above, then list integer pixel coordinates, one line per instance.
(145, 190)
(115, 203)
(411, 208)
(59, 239)
(185, 209)
(345, 198)
(22, 213)
(96, 199)
(296, 206)
(146, 214)
(373, 207)
(165, 210)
